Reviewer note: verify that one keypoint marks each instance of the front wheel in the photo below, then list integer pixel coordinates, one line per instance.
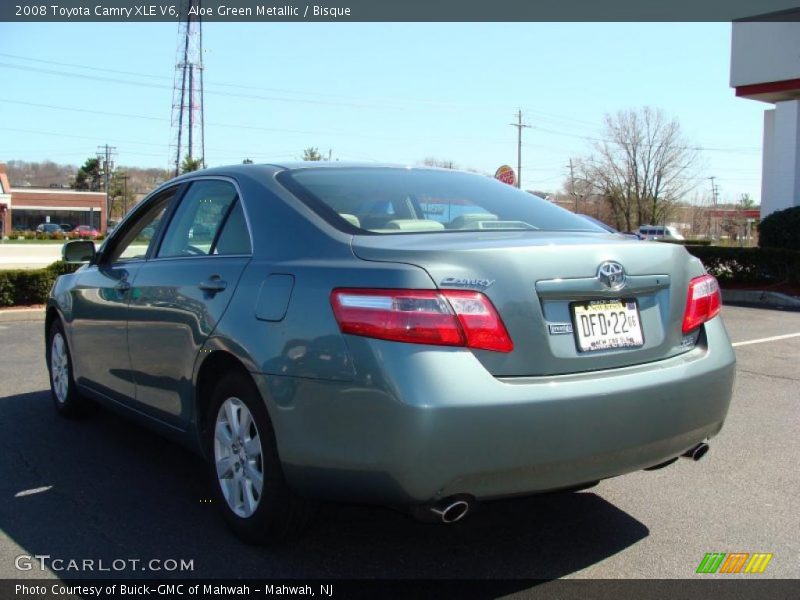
(244, 467)
(67, 399)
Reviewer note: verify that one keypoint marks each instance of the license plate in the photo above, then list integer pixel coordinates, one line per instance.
(607, 325)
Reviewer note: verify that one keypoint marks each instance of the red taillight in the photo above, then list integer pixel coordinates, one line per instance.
(702, 303)
(446, 318)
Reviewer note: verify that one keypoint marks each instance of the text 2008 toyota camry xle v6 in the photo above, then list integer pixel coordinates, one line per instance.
(409, 337)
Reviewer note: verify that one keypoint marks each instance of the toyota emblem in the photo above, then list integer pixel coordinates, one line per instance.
(611, 274)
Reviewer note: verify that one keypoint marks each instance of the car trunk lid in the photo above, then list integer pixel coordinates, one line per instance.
(537, 279)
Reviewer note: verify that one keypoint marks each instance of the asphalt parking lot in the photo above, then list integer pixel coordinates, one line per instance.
(103, 488)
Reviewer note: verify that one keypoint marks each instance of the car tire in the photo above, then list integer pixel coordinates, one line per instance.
(66, 397)
(242, 451)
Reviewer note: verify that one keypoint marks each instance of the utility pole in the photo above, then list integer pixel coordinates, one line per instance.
(124, 179)
(714, 200)
(714, 191)
(519, 125)
(105, 154)
(572, 185)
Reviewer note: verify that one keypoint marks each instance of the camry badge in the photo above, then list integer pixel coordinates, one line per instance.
(611, 274)
(480, 284)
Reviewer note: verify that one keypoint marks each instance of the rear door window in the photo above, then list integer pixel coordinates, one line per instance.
(209, 220)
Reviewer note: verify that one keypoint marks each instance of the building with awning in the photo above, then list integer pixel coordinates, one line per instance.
(765, 66)
(28, 207)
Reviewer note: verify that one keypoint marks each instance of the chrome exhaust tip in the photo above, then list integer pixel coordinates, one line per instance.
(448, 510)
(451, 512)
(696, 452)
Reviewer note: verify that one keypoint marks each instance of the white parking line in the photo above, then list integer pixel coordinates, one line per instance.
(774, 338)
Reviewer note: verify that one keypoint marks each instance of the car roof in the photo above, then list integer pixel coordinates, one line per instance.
(271, 168)
(336, 164)
(296, 165)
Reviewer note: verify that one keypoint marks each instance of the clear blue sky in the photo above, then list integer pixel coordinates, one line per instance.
(377, 92)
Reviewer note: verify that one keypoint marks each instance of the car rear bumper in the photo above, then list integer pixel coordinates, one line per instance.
(426, 423)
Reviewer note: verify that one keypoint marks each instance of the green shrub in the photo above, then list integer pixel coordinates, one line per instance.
(781, 229)
(750, 265)
(688, 242)
(30, 286)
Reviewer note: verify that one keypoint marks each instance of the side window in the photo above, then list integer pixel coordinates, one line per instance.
(135, 242)
(199, 224)
(234, 237)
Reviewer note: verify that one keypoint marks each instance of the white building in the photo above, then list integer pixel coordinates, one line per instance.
(765, 66)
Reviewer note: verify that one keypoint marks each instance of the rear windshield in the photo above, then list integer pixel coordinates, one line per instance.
(395, 200)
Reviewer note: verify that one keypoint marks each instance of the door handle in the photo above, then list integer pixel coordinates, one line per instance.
(213, 285)
(123, 286)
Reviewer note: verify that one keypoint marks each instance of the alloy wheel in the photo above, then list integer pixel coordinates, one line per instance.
(59, 367)
(238, 457)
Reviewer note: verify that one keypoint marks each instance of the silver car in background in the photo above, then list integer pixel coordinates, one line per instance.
(403, 336)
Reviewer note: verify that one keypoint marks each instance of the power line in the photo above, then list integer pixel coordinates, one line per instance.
(249, 126)
(380, 102)
(77, 137)
(701, 148)
(441, 105)
(358, 105)
(138, 84)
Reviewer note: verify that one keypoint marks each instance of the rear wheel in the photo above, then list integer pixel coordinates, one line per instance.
(67, 399)
(244, 467)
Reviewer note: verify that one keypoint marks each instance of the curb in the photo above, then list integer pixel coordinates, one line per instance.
(761, 299)
(22, 314)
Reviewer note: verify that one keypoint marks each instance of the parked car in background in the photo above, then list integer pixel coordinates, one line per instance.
(610, 229)
(86, 232)
(659, 232)
(49, 228)
(401, 336)
(67, 227)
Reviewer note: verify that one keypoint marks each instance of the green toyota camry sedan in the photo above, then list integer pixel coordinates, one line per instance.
(412, 337)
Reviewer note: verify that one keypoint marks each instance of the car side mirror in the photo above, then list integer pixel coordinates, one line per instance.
(78, 251)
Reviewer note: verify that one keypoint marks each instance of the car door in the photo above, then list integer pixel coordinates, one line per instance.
(100, 301)
(181, 293)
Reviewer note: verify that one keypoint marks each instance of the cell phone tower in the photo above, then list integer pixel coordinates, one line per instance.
(188, 129)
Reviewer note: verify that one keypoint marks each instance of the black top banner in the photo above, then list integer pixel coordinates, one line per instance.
(231, 11)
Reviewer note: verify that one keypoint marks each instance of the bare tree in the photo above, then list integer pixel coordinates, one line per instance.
(746, 202)
(699, 216)
(39, 174)
(643, 165)
(579, 185)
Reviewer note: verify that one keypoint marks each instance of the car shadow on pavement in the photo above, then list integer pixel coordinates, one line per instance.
(105, 488)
